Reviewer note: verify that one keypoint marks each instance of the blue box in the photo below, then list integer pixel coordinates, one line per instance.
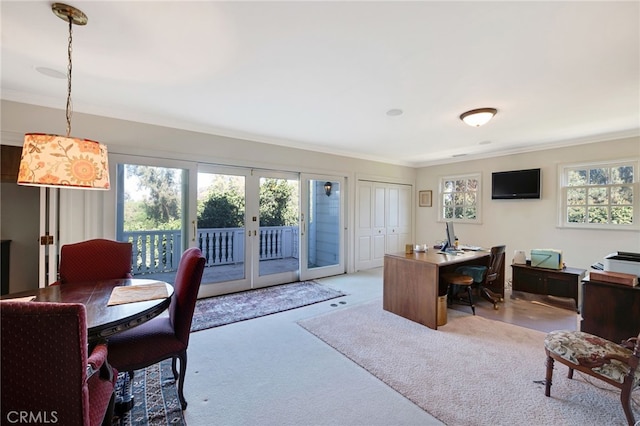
(547, 258)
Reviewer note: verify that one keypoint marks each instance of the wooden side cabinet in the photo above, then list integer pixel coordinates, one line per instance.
(560, 283)
(611, 311)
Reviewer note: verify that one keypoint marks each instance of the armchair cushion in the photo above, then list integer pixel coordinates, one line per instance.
(578, 346)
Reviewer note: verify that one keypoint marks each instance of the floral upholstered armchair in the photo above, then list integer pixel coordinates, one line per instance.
(615, 364)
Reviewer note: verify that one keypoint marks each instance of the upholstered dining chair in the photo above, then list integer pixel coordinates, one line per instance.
(46, 369)
(164, 337)
(97, 259)
(483, 275)
(615, 364)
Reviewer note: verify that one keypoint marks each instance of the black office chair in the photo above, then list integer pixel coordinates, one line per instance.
(483, 275)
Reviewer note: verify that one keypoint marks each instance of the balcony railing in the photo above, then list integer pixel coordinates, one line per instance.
(160, 251)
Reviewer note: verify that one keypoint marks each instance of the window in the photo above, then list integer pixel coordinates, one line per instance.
(599, 195)
(460, 198)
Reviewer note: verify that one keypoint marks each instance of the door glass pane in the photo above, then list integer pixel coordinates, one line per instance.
(278, 236)
(221, 226)
(151, 202)
(323, 235)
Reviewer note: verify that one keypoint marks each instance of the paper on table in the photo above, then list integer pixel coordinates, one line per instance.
(20, 299)
(137, 293)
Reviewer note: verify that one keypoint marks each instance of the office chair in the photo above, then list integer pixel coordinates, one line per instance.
(483, 275)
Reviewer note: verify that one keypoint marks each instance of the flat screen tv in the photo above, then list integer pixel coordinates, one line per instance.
(515, 184)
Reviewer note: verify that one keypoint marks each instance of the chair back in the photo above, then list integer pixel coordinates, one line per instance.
(185, 292)
(92, 260)
(495, 263)
(44, 362)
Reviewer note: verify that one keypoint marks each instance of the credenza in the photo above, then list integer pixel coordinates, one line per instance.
(560, 283)
(609, 310)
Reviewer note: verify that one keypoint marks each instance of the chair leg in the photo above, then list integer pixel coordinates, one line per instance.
(183, 370)
(173, 367)
(548, 376)
(625, 399)
(488, 295)
(473, 307)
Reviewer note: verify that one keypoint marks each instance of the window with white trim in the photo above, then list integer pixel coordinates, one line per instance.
(599, 195)
(459, 199)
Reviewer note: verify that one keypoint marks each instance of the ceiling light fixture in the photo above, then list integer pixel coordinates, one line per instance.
(478, 117)
(63, 161)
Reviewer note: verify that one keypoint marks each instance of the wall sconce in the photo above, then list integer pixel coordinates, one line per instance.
(327, 188)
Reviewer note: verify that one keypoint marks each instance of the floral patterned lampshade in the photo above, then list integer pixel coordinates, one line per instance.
(64, 162)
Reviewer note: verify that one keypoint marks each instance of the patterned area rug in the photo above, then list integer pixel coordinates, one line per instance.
(230, 308)
(155, 398)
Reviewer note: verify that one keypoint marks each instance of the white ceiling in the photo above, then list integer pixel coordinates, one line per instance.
(322, 75)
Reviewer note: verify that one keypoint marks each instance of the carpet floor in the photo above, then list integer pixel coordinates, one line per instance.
(230, 308)
(471, 371)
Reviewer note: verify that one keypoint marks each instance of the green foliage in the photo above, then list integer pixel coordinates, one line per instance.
(275, 206)
(158, 191)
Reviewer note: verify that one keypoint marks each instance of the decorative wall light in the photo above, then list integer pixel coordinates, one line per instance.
(64, 161)
(478, 117)
(327, 188)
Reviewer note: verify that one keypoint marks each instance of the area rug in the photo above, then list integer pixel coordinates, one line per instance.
(230, 308)
(155, 398)
(471, 371)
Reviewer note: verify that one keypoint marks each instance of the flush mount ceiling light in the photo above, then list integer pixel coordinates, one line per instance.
(64, 161)
(478, 117)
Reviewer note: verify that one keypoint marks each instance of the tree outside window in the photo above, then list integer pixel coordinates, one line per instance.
(599, 195)
(459, 198)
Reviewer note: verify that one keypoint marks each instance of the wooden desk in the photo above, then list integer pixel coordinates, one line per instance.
(102, 320)
(411, 282)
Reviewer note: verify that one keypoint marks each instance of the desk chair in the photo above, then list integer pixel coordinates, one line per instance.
(46, 368)
(92, 260)
(615, 364)
(483, 275)
(163, 337)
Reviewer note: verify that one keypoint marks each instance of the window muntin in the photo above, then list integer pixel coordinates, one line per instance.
(600, 195)
(460, 198)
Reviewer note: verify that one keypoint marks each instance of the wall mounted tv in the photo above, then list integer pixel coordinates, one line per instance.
(515, 184)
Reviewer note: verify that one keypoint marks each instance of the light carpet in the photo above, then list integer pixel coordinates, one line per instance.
(230, 308)
(471, 371)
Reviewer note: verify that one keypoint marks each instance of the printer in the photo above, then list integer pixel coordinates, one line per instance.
(623, 261)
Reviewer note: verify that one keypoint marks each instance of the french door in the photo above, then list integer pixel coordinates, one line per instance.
(255, 227)
(322, 227)
(247, 228)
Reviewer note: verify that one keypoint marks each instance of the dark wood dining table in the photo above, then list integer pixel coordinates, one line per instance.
(102, 320)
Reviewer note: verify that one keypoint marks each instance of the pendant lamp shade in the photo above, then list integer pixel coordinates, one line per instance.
(66, 162)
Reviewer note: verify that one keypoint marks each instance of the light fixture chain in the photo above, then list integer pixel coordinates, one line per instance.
(69, 68)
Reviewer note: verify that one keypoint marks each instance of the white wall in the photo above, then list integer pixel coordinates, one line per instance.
(529, 224)
(126, 137)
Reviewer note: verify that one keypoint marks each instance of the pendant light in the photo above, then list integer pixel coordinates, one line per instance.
(64, 161)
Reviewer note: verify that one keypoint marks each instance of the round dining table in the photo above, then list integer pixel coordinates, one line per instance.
(103, 320)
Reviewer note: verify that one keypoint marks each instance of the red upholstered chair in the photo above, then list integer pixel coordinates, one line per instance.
(91, 260)
(166, 336)
(45, 369)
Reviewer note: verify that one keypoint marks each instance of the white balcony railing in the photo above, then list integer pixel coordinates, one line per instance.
(160, 251)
